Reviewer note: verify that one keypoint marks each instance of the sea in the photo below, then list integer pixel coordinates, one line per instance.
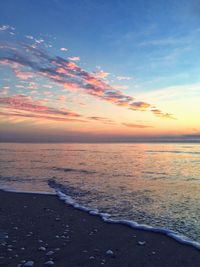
(152, 184)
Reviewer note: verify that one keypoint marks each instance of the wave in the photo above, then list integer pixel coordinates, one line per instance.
(173, 151)
(73, 170)
(106, 217)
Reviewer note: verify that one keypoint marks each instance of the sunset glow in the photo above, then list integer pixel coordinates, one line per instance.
(139, 82)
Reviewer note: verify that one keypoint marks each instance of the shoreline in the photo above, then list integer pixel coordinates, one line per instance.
(41, 228)
(105, 217)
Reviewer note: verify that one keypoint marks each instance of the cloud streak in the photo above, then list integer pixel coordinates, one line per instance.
(24, 106)
(68, 74)
(140, 126)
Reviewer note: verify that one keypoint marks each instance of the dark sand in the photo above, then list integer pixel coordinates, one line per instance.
(32, 221)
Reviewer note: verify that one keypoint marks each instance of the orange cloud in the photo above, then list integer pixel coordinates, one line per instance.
(160, 114)
(101, 74)
(137, 125)
(140, 106)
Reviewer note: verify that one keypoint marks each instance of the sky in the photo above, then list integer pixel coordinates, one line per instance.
(99, 70)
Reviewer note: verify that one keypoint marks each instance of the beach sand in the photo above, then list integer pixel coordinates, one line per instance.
(40, 230)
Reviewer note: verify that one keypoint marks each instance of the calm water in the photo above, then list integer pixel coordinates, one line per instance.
(155, 184)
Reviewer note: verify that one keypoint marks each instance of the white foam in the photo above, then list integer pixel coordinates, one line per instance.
(106, 218)
(26, 192)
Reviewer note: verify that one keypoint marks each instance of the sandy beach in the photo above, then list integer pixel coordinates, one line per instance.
(40, 230)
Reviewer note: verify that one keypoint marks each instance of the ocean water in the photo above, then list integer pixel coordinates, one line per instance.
(152, 184)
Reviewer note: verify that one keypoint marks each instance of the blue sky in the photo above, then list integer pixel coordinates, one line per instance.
(143, 39)
(146, 47)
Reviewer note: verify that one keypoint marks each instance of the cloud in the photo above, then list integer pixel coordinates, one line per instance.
(74, 58)
(121, 78)
(140, 106)
(24, 106)
(30, 37)
(63, 49)
(25, 103)
(160, 114)
(101, 74)
(70, 75)
(101, 119)
(39, 116)
(120, 87)
(6, 27)
(137, 125)
(23, 75)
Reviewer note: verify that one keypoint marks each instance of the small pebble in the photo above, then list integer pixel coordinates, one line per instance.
(42, 248)
(109, 252)
(50, 253)
(141, 243)
(91, 257)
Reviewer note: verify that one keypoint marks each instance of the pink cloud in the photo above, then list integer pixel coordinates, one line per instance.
(24, 106)
(26, 103)
(140, 126)
(120, 87)
(23, 75)
(74, 58)
(72, 77)
(101, 74)
(63, 49)
(37, 116)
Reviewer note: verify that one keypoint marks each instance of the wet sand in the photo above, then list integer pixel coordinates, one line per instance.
(40, 230)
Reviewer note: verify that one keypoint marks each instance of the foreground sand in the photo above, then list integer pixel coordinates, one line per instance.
(41, 229)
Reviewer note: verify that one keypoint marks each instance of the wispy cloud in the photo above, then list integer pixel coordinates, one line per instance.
(102, 119)
(137, 125)
(63, 49)
(101, 74)
(74, 58)
(24, 106)
(160, 114)
(121, 78)
(39, 116)
(14, 104)
(68, 74)
(120, 87)
(6, 27)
